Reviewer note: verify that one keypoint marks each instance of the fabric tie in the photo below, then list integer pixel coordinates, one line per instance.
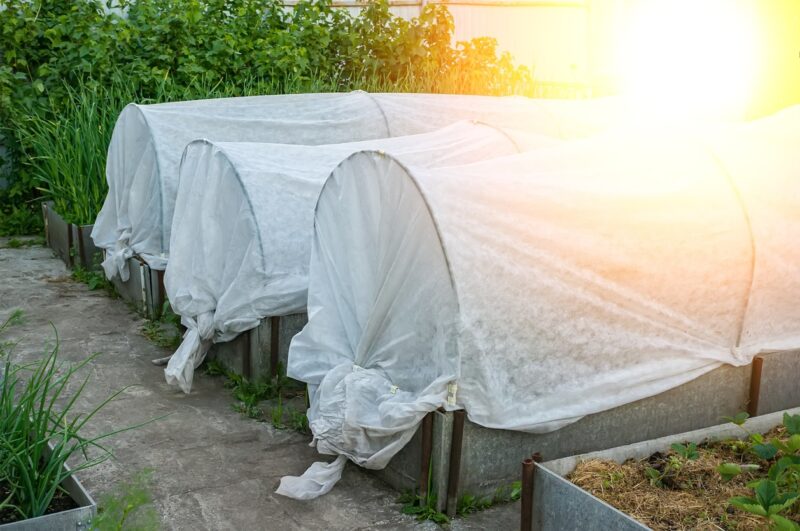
(191, 352)
(116, 262)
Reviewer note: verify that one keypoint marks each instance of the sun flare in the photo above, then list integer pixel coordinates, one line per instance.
(689, 58)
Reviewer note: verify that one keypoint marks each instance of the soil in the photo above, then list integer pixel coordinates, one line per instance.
(691, 494)
(60, 502)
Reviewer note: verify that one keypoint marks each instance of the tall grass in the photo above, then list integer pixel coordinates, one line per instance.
(68, 152)
(40, 429)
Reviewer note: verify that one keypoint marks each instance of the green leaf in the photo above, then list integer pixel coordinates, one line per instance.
(793, 444)
(687, 451)
(766, 491)
(783, 464)
(738, 419)
(748, 504)
(765, 451)
(783, 524)
(728, 471)
(782, 503)
(792, 423)
(440, 518)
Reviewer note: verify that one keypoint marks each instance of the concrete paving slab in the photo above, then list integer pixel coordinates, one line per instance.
(212, 468)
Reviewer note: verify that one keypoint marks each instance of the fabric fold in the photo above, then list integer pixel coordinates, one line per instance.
(191, 352)
(319, 479)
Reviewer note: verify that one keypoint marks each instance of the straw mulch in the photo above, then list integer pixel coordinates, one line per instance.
(692, 494)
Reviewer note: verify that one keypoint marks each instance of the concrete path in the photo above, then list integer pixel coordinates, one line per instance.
(212, 468)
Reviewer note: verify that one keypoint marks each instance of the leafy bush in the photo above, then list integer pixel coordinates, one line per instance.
(67, 69)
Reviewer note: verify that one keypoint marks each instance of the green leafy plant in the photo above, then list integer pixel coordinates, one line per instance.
(128, 506)
(422, 509)
(768, 502)
(728, 471)
(298, 421)
(777, 495)
(67, 152)
(655, 476)
(40, 430)
(15, 243)
(94, 279)
(739, 419)
(469, 504)
(165, 331)
(250, 395)
(276, 415)
(686, 451)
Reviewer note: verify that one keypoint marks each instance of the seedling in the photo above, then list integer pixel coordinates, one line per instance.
(739, 419)
(687, 451)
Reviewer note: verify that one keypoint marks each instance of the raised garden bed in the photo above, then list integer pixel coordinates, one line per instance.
(70, 510)
(71, 243)
(683, 481)
(259, 352)
(144, 288)
(466, 459)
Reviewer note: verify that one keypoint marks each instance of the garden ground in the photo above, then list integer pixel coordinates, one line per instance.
(212, 468)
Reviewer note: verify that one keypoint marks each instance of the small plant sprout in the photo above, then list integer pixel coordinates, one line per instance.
(654, 476)
(791, 423)
(728, 471)
(768, 502)
(128, 506)
(687, 451)
(739, 419)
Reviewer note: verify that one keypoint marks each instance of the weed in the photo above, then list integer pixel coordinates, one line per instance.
(15, 243)
(17, 317)
(276, 415)
(469, 504)
(213, 367)
(129, 506)
(422, 509)
(249, 396)
(160, 334)
(298, 421)
(94, 279)
(164, 331)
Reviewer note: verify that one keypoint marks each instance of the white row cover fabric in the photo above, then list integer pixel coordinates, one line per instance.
(148, 141)
(536, 289)
(244, 218)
